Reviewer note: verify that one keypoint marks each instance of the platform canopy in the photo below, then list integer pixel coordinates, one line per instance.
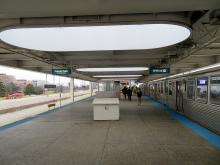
(123, 38)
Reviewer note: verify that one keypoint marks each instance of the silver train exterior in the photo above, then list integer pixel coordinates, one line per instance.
(197, 96)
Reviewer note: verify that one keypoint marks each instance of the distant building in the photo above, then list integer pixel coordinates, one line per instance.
(38, 83)
(21, 83)
(6, 79)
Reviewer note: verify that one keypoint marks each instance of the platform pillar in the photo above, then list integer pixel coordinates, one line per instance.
(72, 89)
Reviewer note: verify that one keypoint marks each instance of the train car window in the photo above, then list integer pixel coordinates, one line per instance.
(170, 88)
(215, 90)
(158, 88)
(190, 89)
(202, 89)
(155, 90)
(151, 89)
(184, 83)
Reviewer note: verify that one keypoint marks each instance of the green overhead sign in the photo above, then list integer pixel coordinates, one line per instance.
(159, 70)
(61, 72)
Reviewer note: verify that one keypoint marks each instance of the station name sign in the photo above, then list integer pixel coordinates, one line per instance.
(49, 86)
(62, 72)
(159, 70)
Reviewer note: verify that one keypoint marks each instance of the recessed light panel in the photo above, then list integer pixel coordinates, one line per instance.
(117, 76)
(93, 38)
(118, 79)
(121, 69)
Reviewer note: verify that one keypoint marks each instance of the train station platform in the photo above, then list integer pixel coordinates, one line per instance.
(69, 136)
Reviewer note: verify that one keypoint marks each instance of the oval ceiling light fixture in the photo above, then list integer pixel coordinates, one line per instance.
(100, 76)
(121, 69)
(94, 38)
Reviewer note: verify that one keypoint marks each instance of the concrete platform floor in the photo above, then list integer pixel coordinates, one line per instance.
(144, 135)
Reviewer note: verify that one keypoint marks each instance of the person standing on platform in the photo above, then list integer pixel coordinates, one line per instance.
(129, 92)
(139, 95)
(124, 91)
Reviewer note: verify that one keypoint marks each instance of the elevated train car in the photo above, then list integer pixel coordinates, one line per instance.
(195, 95)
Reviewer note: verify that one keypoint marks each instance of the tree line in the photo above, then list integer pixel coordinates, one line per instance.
(12, 88)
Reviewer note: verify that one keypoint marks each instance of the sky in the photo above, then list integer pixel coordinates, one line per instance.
(31, 75)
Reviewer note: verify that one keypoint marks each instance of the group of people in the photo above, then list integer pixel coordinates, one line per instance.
(128, 92)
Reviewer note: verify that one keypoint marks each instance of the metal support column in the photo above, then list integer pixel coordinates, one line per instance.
(72, 89)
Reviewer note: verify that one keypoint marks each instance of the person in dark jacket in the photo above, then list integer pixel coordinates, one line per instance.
(124, 91)
(129, 93)
(139, 95)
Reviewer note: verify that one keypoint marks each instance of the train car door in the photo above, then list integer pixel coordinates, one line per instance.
(166, 91)
(155, 90)
(179, 96)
